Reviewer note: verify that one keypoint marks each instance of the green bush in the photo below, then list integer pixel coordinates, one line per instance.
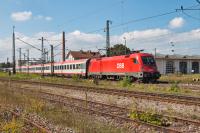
(76, 78)
(174, 87)
(126, 81)
(150, 117)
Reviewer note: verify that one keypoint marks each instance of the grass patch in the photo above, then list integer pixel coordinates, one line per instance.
(125, 83)
(13, 126)
(181, 78)
(174, 87)
(58, 115)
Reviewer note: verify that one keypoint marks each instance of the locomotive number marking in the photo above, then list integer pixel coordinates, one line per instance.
(120, 65)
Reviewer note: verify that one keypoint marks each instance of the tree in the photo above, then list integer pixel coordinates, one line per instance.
(5, 65)
(119, 49)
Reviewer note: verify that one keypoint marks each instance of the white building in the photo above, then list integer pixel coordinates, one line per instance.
(177, 64)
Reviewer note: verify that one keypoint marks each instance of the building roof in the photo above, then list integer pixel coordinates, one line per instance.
(83, 54)
(177, 57)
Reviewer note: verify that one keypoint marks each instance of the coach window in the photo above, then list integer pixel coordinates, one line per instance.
(74, 66)
(65, 67)
(70, 66)
(79, 66)
(135, 61)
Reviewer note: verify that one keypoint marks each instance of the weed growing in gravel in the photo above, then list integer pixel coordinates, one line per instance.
(148, 116)
(76, 78)
(125, 82)
(36, 106)
(174, 87)
(13, 126)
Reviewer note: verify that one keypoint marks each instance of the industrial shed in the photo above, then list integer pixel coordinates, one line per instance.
(177, 64)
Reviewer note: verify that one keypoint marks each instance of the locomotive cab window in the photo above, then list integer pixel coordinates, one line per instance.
(135, 61)
(148, 60)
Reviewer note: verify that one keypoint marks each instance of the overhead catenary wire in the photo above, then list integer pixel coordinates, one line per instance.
(190, 16)
(28, 44)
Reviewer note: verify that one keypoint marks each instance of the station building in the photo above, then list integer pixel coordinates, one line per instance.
(177, 64)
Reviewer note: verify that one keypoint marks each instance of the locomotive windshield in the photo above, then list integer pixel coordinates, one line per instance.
(148, 60)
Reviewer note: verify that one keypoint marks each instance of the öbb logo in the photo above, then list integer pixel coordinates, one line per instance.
(120, 65)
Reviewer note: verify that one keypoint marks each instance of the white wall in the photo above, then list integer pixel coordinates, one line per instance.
(161, 65)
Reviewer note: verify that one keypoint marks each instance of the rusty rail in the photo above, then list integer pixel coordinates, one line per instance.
(170, 98)
(106, 110)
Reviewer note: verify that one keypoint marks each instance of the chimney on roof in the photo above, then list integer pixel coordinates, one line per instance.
(63, 46)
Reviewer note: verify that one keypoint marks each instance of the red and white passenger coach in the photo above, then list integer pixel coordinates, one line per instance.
(137, 66)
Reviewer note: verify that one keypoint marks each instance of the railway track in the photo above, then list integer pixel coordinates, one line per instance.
(29, 125)
(178, 99)
(117, 113)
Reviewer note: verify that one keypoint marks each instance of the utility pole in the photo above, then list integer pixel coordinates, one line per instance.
(14, 64)
(20, 59)
(108, 22)
(47, 56)
(52, 61)
(28, 60)
(24, 56)
(155, 52)
(63, 46)
(125, 44)
(42, 56)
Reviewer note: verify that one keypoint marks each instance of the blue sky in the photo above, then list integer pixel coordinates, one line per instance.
(33, 18)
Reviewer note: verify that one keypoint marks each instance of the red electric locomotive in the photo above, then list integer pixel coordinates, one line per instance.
(138, 66)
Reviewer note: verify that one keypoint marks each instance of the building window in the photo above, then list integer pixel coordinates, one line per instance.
(169, 67)
(183, 67)
(195, 67)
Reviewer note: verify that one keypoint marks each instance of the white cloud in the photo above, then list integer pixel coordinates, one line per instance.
(177, 22)
(48, 18)
(144, 39)
(41, 17)
(21, 16)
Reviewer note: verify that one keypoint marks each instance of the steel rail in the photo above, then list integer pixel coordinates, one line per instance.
(29, 121)
(62, 99)
(170, 98)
